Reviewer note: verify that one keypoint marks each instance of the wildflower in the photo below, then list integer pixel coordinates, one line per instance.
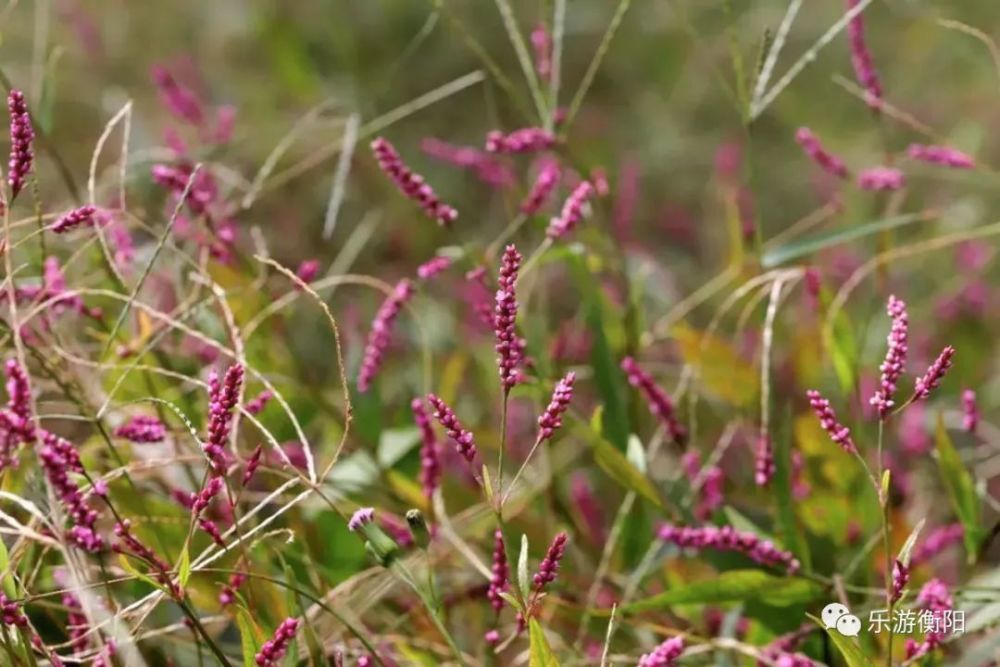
(895, 356)
(970, 411)
(839, 433)
(433, 266)
(542, 44)
(944, 156)
(861, 58)
(500, 573)
(800, 487)
(252, 464)
(18, 390)
(142, 429)
(545, 184)
(10, 612)
(764, 466)
(488, 169)
(446, 417)
(664, 655)
(509, 352)
(572, 211)
(360, 518)
(58, 458)
(900, 577)
(727, 538)
(410, 184)
(257, 404)
(814, 149)
(934, 597)
(492, 637)
(430, 460)
(69, 221)
(525, 140)
(120, 241)
(180, 100)
(932, 378)
(275, 648)
(77, 625)
(201, 499)
(710, 492)
(659, 402)
(308, 270)
(381, 333)
(210, 528)
(937, 541)
(881, 179)
(228, 594)
(22, 135)
(131, 544)
(549, 567)
(223, 397)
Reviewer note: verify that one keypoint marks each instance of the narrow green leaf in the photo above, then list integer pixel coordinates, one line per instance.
(613, 462)
(8, 580)
(734, 586)
(853, 655)
(961, 488)
(907, 548)
(811, 244)
(130, 568)
(522, 566)
(541, 652)
(248, 639)
(843, 349)
(184, 568)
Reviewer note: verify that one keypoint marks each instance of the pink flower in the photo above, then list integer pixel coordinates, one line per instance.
(664, 655)
(381, 333)
(937, 541)
(59, 458)
(764, 467)
(410, 184)
(308, 270)
(508, 345)
(180, 100)
(937, 370)
(131, 544)
(543, 51)
(228, 594)
(430, 459)
(433, 266)
(895, 357)
(711, 492)
(83, 215)
(944, 156)
(360, 518)
(446, 417)
(861, 58)
(900, 577)
(970, 411)
(839, 433)
(551, 419)
(814, 149)
(727, 538)
(142, 429)
(658, 400)
(549, 567)
(572, 212)
(252, 464)
(500, 573)
(549, 175)
(223, 398)
(488, 168)
(525, 140)
(257, 404)
(880, 179)
(274, 649)
(22, 135)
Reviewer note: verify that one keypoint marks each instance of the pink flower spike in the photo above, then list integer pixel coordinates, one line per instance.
(944, 156)
(970, 411)
(764, 466)
(814, 149)
(223, 398)
(551, 419)
(274, 649)
(932, 378)
(937, 541)
(573, 211)
(900, 577)
(142, 429)
(22, 135)
(525, 140)
(549, 175)
(664, 655)
(433, 266)
(728, 538)
(542, 44)
(228, 594)
(549, 567)
(257, 404)
(500, 573)
(180, 100)
(839, 433)
(488, 168)
(308, 270)
(881, 179)
(73, 219)
(508, 346)
(360, 518)
(381, 333)
(430, 459)
(410, 184)
(252, 464)
(861, 58)
(895, 357)
(446, 417)
(659, 402)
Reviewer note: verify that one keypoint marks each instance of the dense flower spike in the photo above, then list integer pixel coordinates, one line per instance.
(937, 541)
(381, 333)
(895, 357)
(551, 419)
(11, 614)
(500, 573)
(900, 577)
(16, 424)
(880, 179)
(549, 567)
(764, 464)
(22, 135)
(542, 44)
(223, 398)
(257, 404)
(970, 411)
(861, 58)
(937, 370)
(839, 433)
(252, 464)
(659, 402)
(664, 655)
(129, 543)
(814, 149)
(73, 219)
(508, 347)
(180, 100)
(944, 156)
(360, 518)
(572, 211)
(549, 175)
(59, 458)
(727, 538)
(228, 594)
(446, 417)
(525, 140)
(433, 266)
(935, 598)
(488, 168)
(410, 184)
(18, 390)
(430, 459)
(275, 648)
(142, 429)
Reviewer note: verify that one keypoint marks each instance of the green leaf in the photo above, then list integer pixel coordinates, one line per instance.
(248, 638)
(613, 462)
(811, 244)
(853, 655)
(8, 580)
(541, 652)
(130, 568)
(184, 568)
(734, 586)
(522, 566)
(843, 348)
(907, 548)
(961, 488)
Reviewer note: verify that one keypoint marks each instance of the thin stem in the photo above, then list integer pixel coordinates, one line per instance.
(503, 448)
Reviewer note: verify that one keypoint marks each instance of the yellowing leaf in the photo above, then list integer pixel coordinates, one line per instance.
(541, 652)
(723, 372)
(407, 489)
(961, 488)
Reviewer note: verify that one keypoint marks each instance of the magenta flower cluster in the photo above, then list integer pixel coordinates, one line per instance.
(180, 100)
(900, 577)
(937, 541)
(129, 543)
(935, 598)
(829, 162)
(361, 517)
(711, 492)
(572, 211)
(488, 168)
(839, 433)
(410, 184)
(59, 458)
(944, 156)
(10, 612)
(551, 419)
(446, 417)
(430, 459)
(433, 266)
(499, 574)
(508, 346)
(381, 333)
(895, 357)
(142, 429)
(881, 179)
(970, 411)
(252, 464)
(727, 538)
(525, 140)
(549, 175)
(664, 655)
(659, 402)
(22, 135)
(275, 648)
(223, 398)
(764, 466)
(69, 221)
(549, 567)
(937, 370)
(864, 68)
(257, 404)
(228, 594)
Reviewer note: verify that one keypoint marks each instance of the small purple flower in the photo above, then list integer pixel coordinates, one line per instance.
(549, 175)
(228, 594)
(664, 655)
(59, 458)
(180, 100)
(814, 149)
(764, 466)
(73, 219)
(895, 357)
(488, 168)
(446, 417)
(381, 333)
(252, 464)
(22, 135)
(937, 370)
(360, 518)
(430, 459)
(551, 419)
(711, 493)
(861, 58)
(549, 567)
(944, 156)
(508, 347)
(727, 538)
(274, 649)
(308, 270)
(900, 577)
(500, 573)
(11, 614)
(937, 541)
(970, 411)
(525, 140)
(839, 433)
(572, 211)
(201, 499)
(257, 404)
(223, 398)
(879, 179)
(433, 266)
(142, 429)
(657, 399)
(542, 44)
(410, 184)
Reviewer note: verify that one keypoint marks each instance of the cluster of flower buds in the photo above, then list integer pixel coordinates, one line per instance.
(727, 538)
